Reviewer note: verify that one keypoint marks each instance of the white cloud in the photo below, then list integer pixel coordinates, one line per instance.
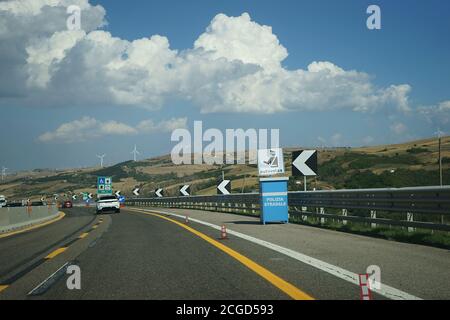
(336, 139)
(322, 140)
(368, 140)
(234, 66)
(149, 126)
(398, 128)
(88, 128)
(239, 38)
(437, 114)
(116, 128)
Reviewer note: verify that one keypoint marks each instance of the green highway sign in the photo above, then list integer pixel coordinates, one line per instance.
(104, 185)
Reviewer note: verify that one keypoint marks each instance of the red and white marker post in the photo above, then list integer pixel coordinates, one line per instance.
(223, 233)
(365, 286)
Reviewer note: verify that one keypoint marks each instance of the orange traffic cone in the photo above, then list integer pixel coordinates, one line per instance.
(224, 233)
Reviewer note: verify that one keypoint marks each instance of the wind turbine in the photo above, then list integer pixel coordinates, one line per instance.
(135, 152)
(439, 133)
(4, 172)
(101, 159)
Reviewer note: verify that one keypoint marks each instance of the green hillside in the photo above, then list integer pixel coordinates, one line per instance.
(402, 165)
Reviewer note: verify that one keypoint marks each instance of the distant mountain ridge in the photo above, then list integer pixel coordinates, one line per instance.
(412, 163)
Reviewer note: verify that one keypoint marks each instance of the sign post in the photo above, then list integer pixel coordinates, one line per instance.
(273, 190)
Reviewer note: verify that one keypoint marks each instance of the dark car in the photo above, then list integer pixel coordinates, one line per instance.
(38, 203)
(67, 204)
(14, 204)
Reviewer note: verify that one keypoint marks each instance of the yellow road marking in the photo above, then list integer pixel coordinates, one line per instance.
(8, 234)
(278, 282)
(3, 287)
(83, 235)
(56, 252)
(94, 227)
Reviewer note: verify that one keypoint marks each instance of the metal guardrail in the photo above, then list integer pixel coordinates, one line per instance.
(364, 204)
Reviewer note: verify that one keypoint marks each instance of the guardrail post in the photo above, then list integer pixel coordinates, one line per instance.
(410, 218)
(304, 216)
(373, 215)
(322, 211)
(344, 213)
(253, 208)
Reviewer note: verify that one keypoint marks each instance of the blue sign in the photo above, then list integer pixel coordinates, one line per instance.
(274, 200)
(122, 199)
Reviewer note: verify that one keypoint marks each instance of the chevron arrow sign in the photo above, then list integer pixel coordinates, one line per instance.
(304, 163)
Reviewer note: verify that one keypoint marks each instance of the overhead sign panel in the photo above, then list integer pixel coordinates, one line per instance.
(304, 163)
(270, 161)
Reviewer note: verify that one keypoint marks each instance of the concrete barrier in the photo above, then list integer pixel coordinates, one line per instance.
(15, 218)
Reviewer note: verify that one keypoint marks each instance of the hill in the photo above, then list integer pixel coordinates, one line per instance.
(401, 165)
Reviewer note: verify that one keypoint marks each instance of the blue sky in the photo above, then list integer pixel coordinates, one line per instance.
(412, 48)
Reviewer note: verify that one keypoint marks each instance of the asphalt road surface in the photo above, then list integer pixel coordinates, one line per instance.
(133, 255)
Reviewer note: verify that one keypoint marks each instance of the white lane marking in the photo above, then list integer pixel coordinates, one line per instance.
(385, 290)
(46, 280)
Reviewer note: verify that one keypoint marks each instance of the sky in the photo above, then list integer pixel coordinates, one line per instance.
(137, 70)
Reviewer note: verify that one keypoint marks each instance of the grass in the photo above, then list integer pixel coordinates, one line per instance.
(417, 150)
(439, 239)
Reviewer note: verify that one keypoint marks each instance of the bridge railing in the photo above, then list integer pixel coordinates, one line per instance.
(418, 207)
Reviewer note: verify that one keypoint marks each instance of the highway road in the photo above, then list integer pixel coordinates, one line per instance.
(143, 255)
